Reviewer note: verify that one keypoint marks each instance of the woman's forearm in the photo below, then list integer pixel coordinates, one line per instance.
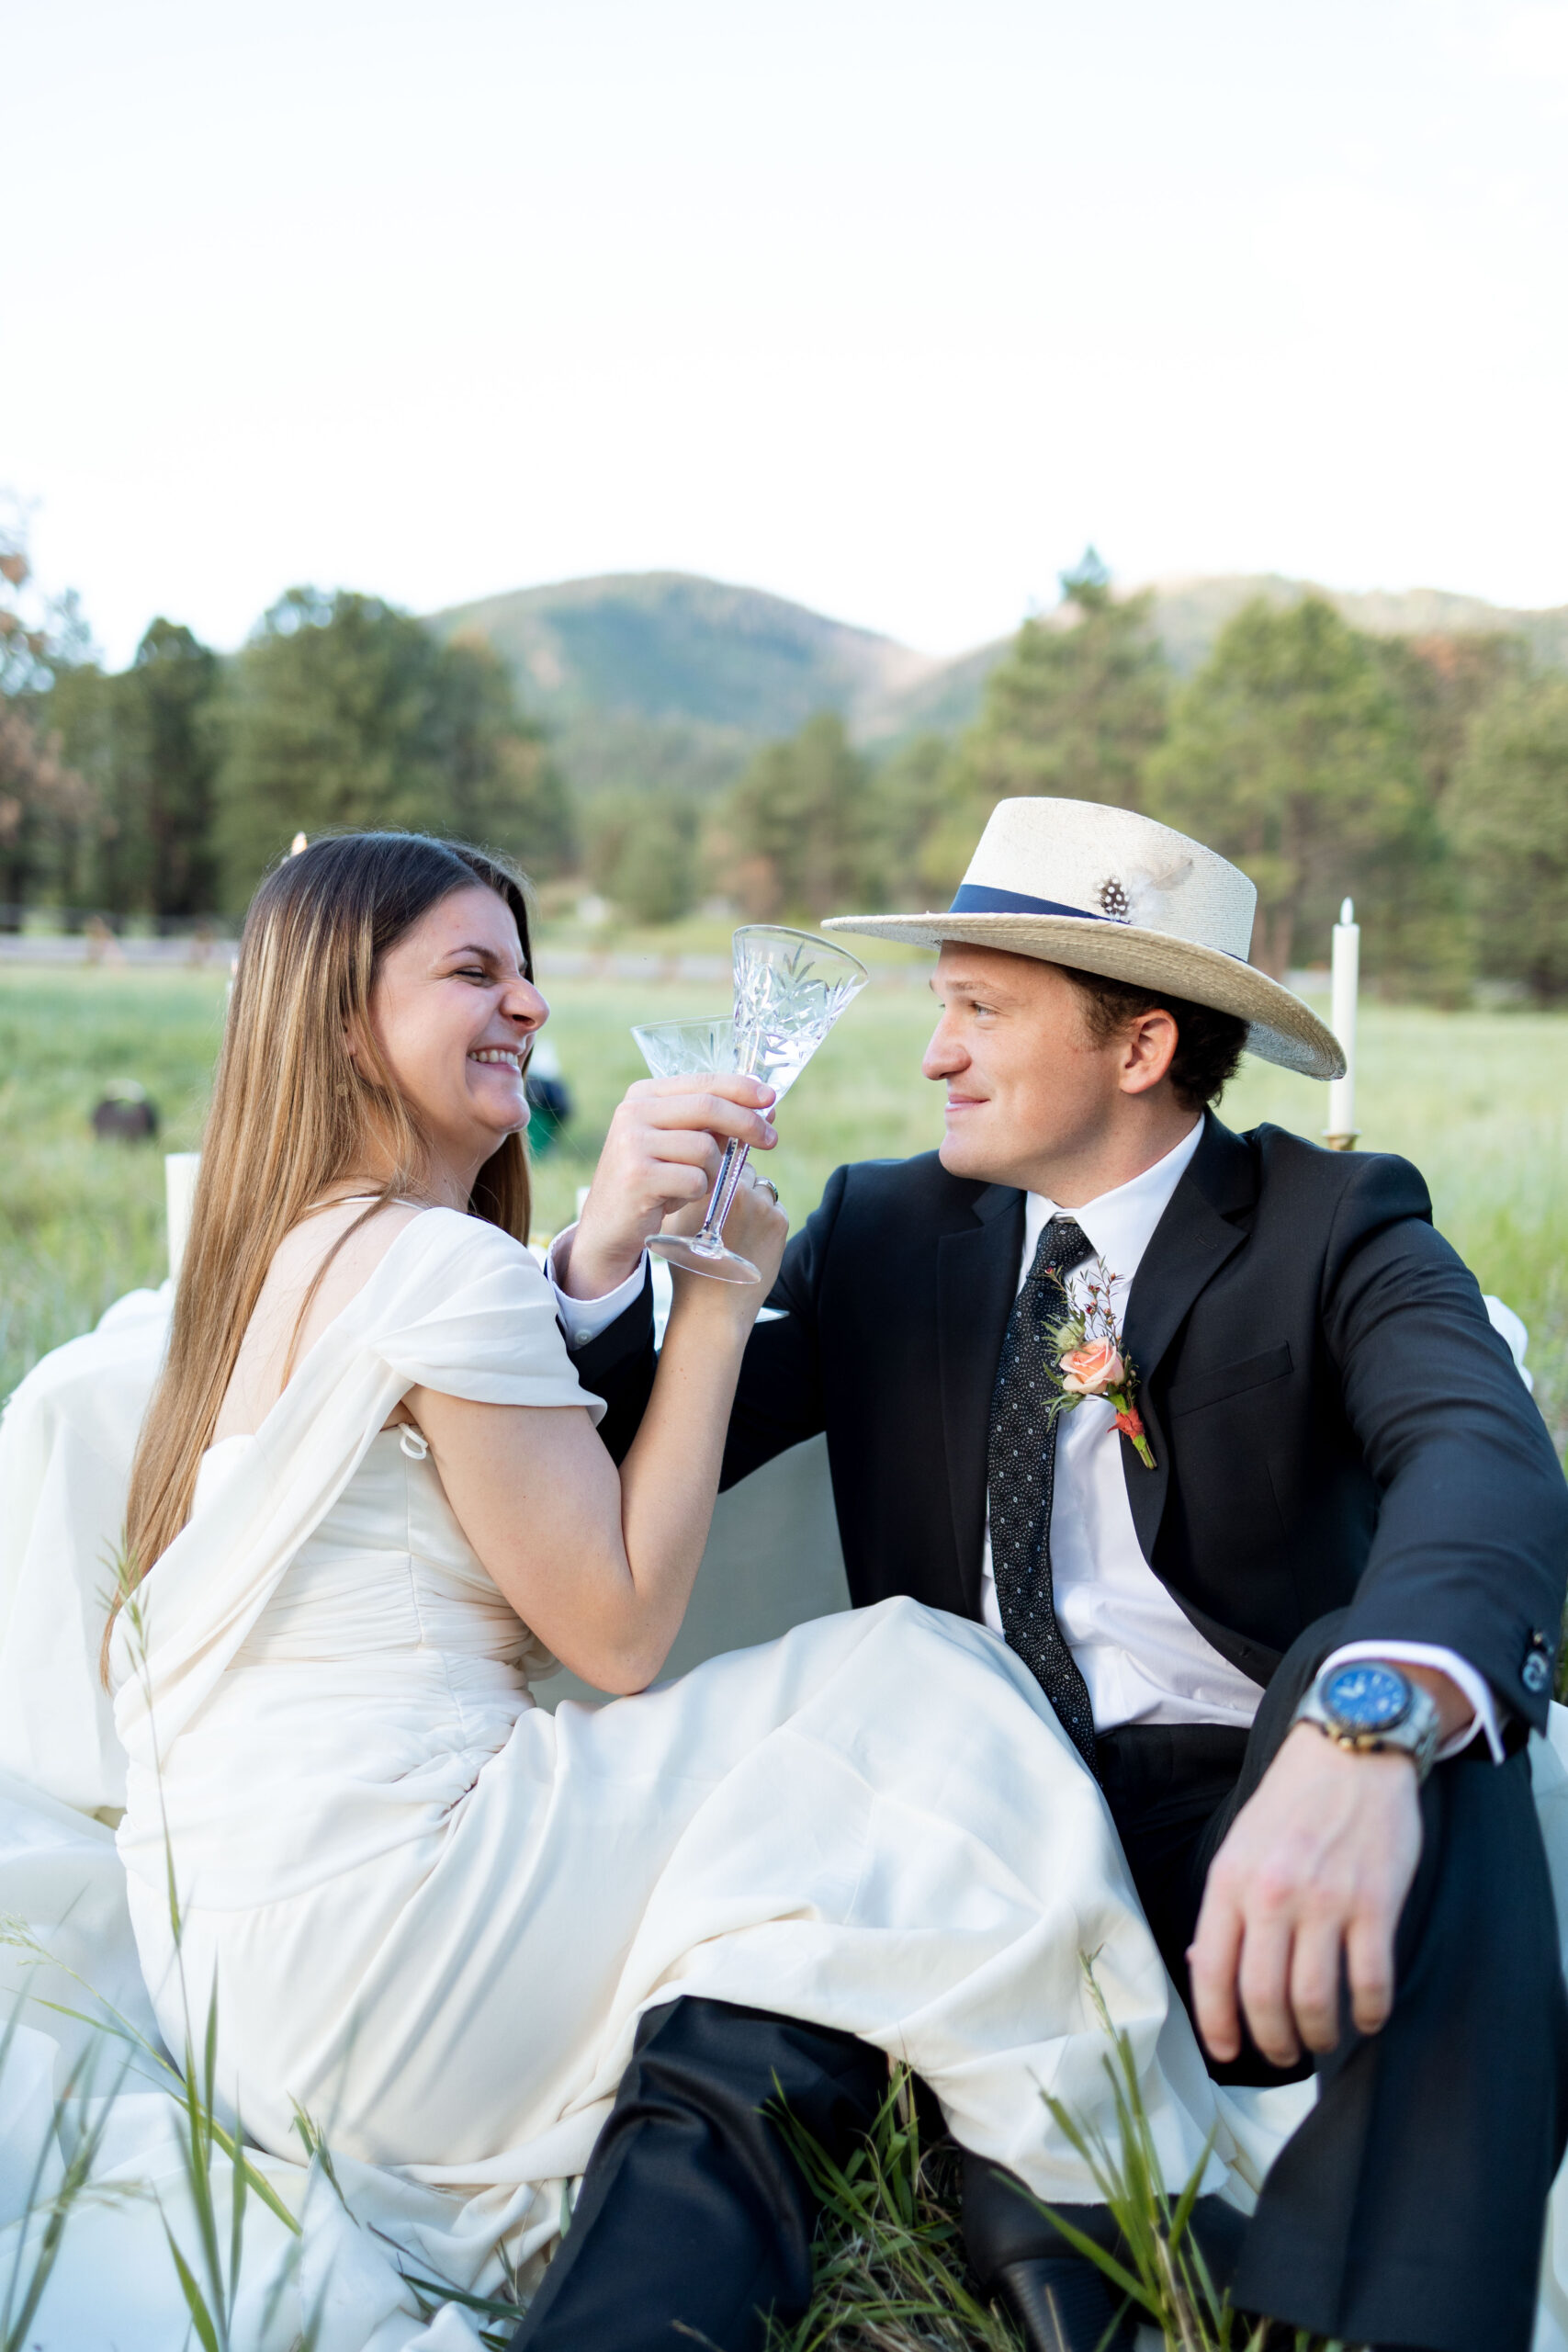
(670, 1477)
(602, 1567)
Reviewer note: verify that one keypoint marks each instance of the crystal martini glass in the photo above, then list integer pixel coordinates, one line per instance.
(790, 987)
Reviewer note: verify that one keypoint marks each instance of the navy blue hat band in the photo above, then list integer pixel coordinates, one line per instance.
(979, 898)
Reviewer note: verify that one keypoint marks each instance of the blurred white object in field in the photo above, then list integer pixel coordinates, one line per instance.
(1503, 1319)
(179, 1194)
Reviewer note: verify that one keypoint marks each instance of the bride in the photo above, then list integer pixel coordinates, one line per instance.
(370, 1502)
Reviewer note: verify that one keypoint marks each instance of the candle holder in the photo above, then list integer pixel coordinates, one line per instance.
(1343, 1143)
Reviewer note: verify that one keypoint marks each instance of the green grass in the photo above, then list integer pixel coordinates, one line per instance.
(81, 1222)
(1479, 1100)
(888, 2267)
(889, 2270)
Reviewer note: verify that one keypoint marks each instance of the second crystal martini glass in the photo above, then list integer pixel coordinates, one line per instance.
(790, 987)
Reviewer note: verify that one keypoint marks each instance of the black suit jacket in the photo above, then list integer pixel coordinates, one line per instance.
(1334, 1421)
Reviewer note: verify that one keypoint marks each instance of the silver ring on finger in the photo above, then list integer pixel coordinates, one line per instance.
(768, 1185)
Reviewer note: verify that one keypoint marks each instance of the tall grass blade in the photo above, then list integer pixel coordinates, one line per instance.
(200, 2317)
(15, 1936)
(23, 2296)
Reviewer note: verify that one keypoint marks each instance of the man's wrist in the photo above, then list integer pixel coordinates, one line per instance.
(593, 1270)
(1455, 1713)
(1369, 1707)
(585, 1319)
(1466, 1702)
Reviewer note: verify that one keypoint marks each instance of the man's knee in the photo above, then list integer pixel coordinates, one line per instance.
(1482, 1920)
(730, 2065)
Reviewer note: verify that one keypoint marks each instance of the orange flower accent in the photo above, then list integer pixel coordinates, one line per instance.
(1094, 1369)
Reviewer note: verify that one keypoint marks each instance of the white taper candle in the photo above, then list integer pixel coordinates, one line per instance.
(1342, 1020)
(179, 1191)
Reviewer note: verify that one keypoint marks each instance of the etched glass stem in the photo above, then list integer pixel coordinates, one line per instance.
(730, 1169)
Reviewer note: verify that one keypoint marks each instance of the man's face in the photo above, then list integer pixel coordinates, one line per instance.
(1028, 1087)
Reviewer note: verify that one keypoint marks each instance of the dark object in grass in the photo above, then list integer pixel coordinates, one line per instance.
(125, 1114)
(549, 1101)
(1062, 2303)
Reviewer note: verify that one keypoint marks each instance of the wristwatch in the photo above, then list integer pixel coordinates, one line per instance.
(1367, 1706)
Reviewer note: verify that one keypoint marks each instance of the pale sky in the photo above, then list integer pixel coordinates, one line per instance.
(884, 305)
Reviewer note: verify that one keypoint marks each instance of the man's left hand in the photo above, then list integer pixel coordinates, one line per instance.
(1309, 1886)
(1311, 1878)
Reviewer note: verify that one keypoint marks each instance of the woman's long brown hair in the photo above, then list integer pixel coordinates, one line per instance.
(292, 1115)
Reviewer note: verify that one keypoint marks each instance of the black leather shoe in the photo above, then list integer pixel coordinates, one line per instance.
(1062, 2303)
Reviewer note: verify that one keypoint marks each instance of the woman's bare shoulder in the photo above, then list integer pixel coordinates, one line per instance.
(359, 1248)
(279, 1333)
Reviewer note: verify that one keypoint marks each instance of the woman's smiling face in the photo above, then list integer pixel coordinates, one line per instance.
(453, 1013)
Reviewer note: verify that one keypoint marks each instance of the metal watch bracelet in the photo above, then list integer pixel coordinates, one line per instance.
(1370, 1708)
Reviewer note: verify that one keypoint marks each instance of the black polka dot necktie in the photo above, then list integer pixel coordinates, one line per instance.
(1020, 1473)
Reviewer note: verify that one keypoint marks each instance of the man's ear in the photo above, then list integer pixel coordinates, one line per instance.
(1150, 1043)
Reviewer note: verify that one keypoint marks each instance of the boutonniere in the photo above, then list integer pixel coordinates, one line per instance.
(1091, 1359)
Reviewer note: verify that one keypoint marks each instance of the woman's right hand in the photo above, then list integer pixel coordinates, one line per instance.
(660, 1155)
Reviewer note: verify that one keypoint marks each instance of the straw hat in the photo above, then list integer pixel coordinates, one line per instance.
(1108, 891)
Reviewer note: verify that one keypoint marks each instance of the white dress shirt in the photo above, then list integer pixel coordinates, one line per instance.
(1142, 1657)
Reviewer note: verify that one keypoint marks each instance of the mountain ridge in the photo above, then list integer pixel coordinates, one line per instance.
(670, 679)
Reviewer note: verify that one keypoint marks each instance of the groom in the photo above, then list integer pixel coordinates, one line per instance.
(1301, 1648)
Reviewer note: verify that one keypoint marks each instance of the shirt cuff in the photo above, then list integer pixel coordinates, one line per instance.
(1474, 1686)
(583, 1318)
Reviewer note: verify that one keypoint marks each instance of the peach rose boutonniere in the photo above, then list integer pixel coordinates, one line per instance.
(1092, 1361)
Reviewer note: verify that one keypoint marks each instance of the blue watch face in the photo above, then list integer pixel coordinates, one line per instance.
(1367, 1698)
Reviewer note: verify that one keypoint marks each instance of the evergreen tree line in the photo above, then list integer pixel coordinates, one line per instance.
(167, 789)
(1426, 777)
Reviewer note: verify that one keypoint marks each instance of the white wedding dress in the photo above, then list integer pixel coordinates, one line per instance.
(434, 1912)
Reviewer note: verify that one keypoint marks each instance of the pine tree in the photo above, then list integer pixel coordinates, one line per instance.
(1508, 811)
(793, 837)
(1291, 752)
(342, 711)
(1075, 710)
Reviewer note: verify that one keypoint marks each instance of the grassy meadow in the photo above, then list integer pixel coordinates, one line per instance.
(1478, 1100)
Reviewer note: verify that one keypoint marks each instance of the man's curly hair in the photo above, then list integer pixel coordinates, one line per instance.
(1209, 1044)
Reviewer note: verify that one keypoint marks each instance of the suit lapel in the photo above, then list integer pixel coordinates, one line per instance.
(977, 1270)
(1203, 1225)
